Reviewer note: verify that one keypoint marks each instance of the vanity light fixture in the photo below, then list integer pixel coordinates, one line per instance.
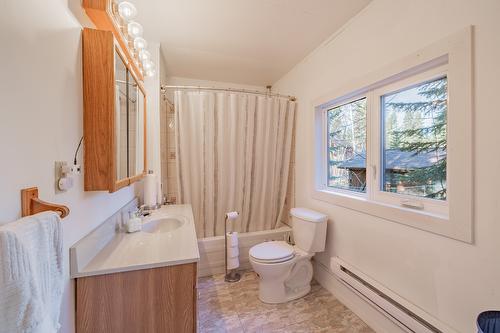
(124, 13)
(144, 55)
(148, 65)
(127, 11)
(134, 30)
(140, 44)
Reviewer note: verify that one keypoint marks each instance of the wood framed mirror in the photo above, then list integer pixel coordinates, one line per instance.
(114, 115)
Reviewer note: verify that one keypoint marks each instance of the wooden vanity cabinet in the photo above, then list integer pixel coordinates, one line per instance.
(156, 300)
(114, 124)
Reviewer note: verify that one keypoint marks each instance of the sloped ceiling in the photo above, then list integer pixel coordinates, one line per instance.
(242, 41)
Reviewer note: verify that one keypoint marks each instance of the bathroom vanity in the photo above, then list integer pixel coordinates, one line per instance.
(139, 282)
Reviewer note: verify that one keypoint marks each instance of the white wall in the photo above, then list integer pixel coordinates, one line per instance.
(449, 279)
(42, 119)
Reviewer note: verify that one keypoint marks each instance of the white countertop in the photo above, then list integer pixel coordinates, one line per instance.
(141, 250)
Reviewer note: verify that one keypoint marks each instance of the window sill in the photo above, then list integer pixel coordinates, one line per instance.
(438, 224)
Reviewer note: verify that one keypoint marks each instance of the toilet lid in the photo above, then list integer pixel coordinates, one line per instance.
(272, 251)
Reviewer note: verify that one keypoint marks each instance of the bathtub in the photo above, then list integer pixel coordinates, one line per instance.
(212, 249)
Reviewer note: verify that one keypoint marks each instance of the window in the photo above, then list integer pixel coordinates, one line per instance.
(414, 148)
(346, 146)
(398, 143)
(408, 140)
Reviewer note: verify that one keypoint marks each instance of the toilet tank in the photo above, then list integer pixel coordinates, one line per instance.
(309, 229)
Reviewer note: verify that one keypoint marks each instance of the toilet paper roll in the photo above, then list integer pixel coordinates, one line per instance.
(232, 239)
(150, 189)
(233, 252)
(232, 215)
(233, 263)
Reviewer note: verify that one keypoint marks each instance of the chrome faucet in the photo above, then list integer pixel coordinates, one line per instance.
(142, 212)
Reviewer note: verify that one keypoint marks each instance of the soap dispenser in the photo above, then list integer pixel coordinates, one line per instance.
(134, 222)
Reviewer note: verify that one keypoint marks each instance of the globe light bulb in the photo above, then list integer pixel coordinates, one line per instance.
(127, 11)
(148, 65)
(150, 72)
(134, 29)
(144, 55)
(140, 43)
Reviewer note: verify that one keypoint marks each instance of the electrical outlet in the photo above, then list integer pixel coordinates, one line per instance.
(75, 169)
(58, 173)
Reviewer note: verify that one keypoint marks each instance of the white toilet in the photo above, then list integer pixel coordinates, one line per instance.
(286, 271)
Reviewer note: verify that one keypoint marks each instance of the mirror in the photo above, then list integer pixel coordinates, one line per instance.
(140, 163)
(121, 105)
(135, 128)
(130, 106)
(132, 125)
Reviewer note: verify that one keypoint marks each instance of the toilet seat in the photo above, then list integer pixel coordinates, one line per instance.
(272, 252)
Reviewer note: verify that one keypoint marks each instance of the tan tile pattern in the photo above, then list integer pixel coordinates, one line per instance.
(168, 158)
(235, 307)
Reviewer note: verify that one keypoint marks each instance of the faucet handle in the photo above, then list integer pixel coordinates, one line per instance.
(141, 211)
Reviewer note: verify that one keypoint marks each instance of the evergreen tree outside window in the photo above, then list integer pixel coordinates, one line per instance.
(415, 141)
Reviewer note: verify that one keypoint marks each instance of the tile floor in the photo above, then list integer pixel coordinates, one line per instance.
(235, 307)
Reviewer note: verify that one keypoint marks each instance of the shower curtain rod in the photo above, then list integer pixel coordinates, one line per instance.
(246, 91)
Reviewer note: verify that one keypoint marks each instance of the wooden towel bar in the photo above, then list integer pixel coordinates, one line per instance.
(31, 204)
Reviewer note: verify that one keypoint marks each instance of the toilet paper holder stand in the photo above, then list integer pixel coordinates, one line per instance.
(232, 275)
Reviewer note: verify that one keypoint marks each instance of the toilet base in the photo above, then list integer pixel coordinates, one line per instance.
(299, 293)
(274, 298)
(289, 281)
(271, 293)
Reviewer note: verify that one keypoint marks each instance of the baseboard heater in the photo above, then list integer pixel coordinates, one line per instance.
(406, 315)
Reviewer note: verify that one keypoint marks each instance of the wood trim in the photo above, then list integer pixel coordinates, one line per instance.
(30, 204)
(149, 300)
(99, 5)
(195, 298)
(101, 14)
(119, 185)
(99, 109)
(136, 178)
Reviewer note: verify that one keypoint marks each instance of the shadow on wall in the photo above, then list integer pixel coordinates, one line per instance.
(75, 7)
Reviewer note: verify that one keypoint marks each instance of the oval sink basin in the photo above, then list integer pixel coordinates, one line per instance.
(162, 225)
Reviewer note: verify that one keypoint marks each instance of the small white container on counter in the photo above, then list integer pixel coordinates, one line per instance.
(134, 223)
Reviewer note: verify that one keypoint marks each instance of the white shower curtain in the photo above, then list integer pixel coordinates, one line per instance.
(233, 154)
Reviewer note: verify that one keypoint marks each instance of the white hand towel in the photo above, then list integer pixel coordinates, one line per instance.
(31, 274)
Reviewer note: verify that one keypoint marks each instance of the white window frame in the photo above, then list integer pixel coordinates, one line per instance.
(450, 57)
(325, 143)
(431, 206)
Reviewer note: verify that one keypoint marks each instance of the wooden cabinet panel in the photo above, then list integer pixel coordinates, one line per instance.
(99, 109)
(150, 300)
(114, 154)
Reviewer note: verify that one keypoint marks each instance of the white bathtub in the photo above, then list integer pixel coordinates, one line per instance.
(212, 249)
